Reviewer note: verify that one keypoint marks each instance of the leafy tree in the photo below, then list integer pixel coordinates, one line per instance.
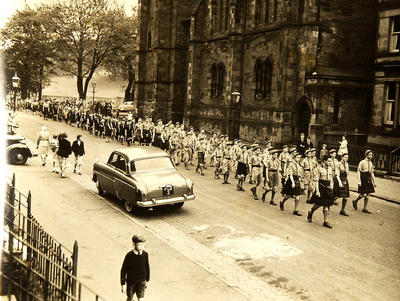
(28, 50)
(122, 59)
(86, 32)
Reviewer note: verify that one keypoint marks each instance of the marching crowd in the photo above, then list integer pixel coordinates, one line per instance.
(294, 170)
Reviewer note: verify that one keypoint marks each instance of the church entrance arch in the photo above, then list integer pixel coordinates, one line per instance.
(302, 116)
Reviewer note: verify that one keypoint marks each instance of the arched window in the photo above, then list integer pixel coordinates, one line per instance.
(220, 79)
(266, 91)
(266, 17)
(258, 78)
(213, 80)
(149, 40)
(336, 108)
(275, 9)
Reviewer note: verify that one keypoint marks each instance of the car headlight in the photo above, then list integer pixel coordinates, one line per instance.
(189, 183)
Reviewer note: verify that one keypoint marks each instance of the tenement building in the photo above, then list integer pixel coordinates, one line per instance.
(385, 119)
(259, 69)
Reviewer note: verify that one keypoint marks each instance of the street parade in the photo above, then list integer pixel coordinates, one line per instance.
(296, 171)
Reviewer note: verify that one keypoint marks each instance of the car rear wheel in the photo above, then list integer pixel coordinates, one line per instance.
(178, 205)
(99, 189)
(18, 157)
(129, 207)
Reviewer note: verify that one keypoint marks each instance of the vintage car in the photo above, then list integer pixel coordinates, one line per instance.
(142, 177)
(16, 149)
(125, 108)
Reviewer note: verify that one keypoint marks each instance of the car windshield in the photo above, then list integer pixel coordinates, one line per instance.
(151, 164)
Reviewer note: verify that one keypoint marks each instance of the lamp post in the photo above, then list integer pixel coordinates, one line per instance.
(15, 83)
(94, 91)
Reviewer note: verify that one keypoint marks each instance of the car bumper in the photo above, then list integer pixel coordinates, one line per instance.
(170, 201)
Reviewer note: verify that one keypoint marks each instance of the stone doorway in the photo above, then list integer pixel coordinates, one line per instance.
(302, 117)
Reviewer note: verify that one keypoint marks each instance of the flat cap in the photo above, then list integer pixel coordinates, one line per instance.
(137, 238)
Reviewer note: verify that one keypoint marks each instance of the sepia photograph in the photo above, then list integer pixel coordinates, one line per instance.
(198, 150)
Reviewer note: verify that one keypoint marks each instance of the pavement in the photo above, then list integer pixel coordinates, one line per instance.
(223, 245)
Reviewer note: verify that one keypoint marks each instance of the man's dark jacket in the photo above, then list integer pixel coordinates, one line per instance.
(79, 150)
(135, 268)
(64, 148)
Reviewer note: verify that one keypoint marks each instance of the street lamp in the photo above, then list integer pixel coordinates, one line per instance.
(15, 83)
(94, 91)
(235, 96)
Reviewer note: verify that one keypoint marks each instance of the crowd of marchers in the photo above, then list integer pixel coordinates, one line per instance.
(293, 170)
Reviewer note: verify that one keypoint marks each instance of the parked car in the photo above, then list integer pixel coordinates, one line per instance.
(125, 108)
(142, 177)
(16, 149)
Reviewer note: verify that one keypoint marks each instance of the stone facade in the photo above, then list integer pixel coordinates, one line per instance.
(385, 111)
(319, 51)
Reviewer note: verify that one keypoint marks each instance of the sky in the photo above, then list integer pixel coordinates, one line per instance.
(8, 7)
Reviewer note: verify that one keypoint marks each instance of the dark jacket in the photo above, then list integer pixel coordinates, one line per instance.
(79, 150)
(64, 148)
(135, 268)
(301, 145)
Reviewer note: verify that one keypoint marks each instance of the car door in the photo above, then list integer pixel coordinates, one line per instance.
(120, 185)
(109, 177)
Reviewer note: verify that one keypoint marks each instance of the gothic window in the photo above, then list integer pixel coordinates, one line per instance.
(213, 80)
(258, 76)
(266, 11)
(336, 108)
(275, 9)
(149, 40)
(220, 79)
(266, 91)
(258, 12)
(221, 14)
(227, 13)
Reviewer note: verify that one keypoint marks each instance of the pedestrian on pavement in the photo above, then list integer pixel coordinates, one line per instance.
(64, 150)
(54, 148)
(343, 147)
(43, 144)
(135, 271)
(366, 180)
(78, 148)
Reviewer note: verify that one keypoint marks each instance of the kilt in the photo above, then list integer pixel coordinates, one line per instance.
(157, 140)
(366, 183)
(146, 136)
(344, 191)
(287, 188)
(44, 147)
(241, 168)
(200, 157)
(326, 197)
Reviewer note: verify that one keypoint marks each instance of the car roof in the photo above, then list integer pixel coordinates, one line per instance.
(142, 152)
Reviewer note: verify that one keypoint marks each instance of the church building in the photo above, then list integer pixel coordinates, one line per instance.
(257, 69)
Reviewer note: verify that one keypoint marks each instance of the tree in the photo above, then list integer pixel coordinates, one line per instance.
(122, 59)
(86, 32)
(28, 50)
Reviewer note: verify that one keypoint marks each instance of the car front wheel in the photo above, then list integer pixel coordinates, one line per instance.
(99, 189)
(129, 207)
(18, 157)
(178, 205)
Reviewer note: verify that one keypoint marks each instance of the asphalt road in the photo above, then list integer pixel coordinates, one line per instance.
(253, 248)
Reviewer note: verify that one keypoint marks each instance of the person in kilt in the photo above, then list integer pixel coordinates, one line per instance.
(335, 170)
(322, 197)
(366, 180)
(344, 192)
(241, 169)
(218, 155)
(292, 188)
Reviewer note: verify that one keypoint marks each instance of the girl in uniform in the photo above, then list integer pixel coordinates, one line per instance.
(292, 186)
(43, 144)
(322, 196)
(343, 182)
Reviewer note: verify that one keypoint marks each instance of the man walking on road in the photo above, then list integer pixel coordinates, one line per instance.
(135, 271)
(64, 150)
(78, 148)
